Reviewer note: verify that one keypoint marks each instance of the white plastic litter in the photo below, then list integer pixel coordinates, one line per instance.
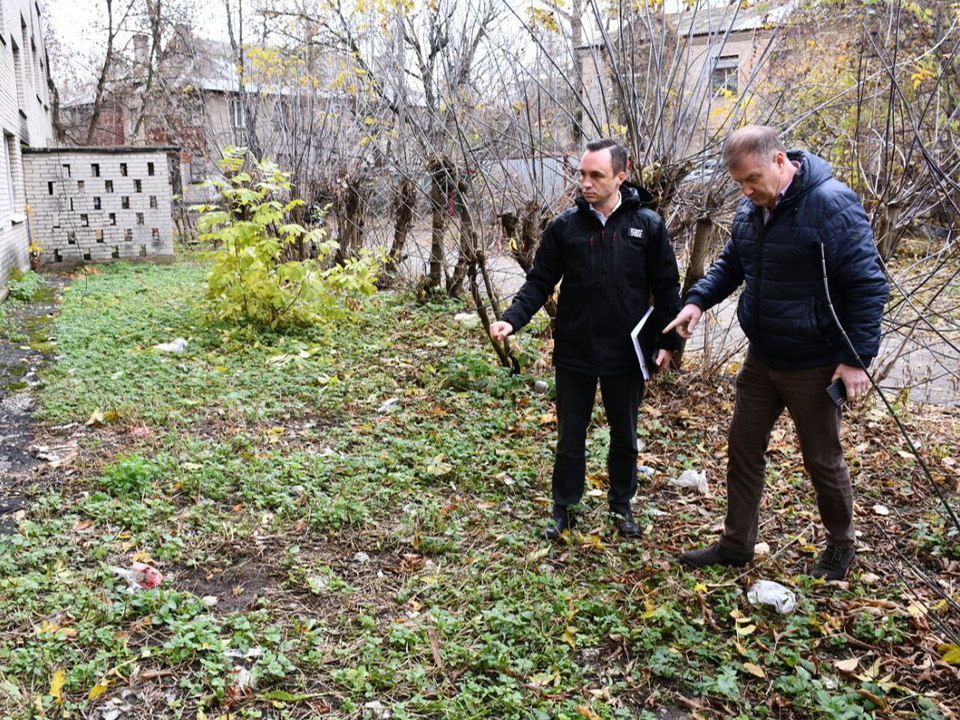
(467, 318)
(388, 406)
(177, 346)
(375, 710)
(693, 479)
(765, 592)
(540, 387)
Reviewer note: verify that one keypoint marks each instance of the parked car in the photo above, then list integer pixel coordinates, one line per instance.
(703, 172)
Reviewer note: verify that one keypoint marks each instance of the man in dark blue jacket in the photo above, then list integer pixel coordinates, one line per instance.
(794, 218)
(612, 253)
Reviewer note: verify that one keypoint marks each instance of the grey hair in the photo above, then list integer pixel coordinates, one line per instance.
(759, 140)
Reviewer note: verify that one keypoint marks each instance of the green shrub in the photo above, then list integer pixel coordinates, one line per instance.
(253, 280)
(130, 476)
(24, 285)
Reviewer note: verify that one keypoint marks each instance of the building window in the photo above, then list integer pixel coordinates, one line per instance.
(139, 218)
(153, 202)
(156, 235)
(50, 188)
(125, 202)
(95, 169)
(18, 73)
(67, 168)
(9, 176)
(108, 185)
(138, 186)
(724, 75)
(128, 234)
(80, 185)
(149, 168)
(123, 169)
(238, 118)
(85, 220)
(96, 203)
(113, 218)
(99, 235)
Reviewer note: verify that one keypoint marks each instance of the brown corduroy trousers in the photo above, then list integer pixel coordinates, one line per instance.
(762, 394)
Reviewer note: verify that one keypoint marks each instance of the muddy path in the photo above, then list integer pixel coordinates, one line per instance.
(26, 345)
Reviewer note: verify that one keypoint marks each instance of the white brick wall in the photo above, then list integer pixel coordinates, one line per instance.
(25, 117)
(98, 204)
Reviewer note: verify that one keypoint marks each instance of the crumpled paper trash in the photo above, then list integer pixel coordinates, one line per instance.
(765, 592)
(694, 479)
(177, 346)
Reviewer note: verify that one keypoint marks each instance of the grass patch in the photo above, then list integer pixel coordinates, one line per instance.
(327, 555)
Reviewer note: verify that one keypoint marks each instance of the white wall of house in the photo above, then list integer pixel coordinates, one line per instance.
(25, 118)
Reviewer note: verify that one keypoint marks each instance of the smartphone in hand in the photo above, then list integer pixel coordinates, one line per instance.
(837, 392)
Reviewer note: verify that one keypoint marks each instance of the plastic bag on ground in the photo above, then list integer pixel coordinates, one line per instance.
(694, 479)
(177, 346)
(765, 592)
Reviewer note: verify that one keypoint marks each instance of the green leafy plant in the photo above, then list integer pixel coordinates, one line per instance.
(129, 476)
(254, 278)
(24, 285)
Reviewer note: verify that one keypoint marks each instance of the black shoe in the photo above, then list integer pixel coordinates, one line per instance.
(834, 563)
(560, 521)
(715, 554)
(627, 525)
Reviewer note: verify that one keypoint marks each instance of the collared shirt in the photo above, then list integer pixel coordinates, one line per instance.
(601, 216)
(768, 212)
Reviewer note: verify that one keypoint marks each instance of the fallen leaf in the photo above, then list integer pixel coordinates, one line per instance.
(56, 685)
(587, 712)
(881, 509)
(847, 666)
(754, 670)
(950, 654)
(96, 418)
(99, 689)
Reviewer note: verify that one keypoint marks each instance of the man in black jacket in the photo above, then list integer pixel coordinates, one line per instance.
(611, 253)
(795, 223)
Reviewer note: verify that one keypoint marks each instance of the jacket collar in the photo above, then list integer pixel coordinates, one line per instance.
(631, 196)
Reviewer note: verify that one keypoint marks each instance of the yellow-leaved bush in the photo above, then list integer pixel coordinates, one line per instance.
(252, 280)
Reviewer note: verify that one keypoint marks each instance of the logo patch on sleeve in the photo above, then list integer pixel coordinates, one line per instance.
(636, 233)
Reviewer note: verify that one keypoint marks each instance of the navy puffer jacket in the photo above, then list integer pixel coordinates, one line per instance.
(783, 309)
(609, 273)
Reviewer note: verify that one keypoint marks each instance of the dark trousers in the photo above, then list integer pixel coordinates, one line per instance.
(762, 394)
(621, 400)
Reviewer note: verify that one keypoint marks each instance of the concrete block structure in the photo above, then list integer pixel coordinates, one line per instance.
(101, 203)
(25, 119)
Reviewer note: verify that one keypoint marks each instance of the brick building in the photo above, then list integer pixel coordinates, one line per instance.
(101, 203)
(25, 118)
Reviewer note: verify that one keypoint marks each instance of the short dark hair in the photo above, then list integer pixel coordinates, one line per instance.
(759, 140)
(618, 153)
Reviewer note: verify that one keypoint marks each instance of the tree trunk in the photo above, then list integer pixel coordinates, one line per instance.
(474, 264)
(351, 212)
(703, 236)
(439, 183)
(154, 10)
(889, 232)
(102, 80)
(403, 220)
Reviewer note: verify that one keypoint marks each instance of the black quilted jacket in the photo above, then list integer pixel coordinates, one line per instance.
(783, 309)
(608, 275)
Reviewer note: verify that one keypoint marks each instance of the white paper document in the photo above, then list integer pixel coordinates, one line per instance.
(635, 336)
